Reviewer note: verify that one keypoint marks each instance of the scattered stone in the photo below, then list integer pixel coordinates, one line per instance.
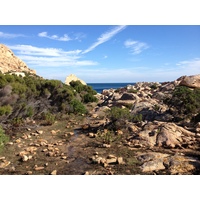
(50, 154)
(10, 143)
(111, 161)
(91, 135)
(38, 168)
(53, 132)
(64, 157)
(119, 132)
(22, 153)
(4, 164)
(29, 172)
(40, 132)
(106, 145)
(18, 140)
(120, 160)
(111, 156)
(54, 172)
(87, 173)
(25, 158)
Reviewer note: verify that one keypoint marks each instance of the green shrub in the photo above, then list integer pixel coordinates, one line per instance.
(132, 91)
(89, 98)
(107, 136)
(117, 113)
(137, 118)
(48, 118)
(30, 111)
(77, 107)
(17, 122)
(154, 86)
(5, 110)
(185, 101)
(3, 137)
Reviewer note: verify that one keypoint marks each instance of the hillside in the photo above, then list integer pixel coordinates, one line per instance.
(11, 63)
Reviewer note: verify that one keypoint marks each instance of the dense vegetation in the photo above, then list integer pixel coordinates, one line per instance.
(185, 102)
(35, 97)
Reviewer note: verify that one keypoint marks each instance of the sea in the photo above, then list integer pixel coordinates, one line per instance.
(99, 87)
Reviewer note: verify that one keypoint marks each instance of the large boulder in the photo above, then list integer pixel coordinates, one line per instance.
(73, 77)
(190, 81)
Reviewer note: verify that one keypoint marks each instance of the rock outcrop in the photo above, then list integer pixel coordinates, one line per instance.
(73, 77)
(190, 81)
(11, 63)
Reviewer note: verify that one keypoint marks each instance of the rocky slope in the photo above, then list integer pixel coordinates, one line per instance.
(11, 63)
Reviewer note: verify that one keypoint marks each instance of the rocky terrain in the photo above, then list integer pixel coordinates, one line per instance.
(49, 127)
(130, 130)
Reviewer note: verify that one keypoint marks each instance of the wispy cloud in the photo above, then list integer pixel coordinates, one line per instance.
(50, 57)
(135, 46)
(104, 38)
(10, 35)
(194, 63)
(64, 38)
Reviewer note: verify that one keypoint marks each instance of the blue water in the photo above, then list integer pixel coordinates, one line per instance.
(99, 87)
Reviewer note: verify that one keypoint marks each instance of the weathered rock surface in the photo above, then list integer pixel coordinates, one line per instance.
(190, 81)
(173, 164)
(73, 77)
(11, 63)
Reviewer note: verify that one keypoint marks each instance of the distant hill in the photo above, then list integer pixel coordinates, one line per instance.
(11, 63)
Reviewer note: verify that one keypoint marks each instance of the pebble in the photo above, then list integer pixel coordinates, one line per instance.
(53, 132)
(39, 168)
(111, 160)
(25, 158)
(10, 143)
(40, 132)
(4, 164)
(106, 145)
(18, 140)
(120, 160)
(54, 172)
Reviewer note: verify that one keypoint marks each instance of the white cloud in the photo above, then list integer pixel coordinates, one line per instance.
(55, 37)
(104, 38)
(10, 35)
(190, 63)
(135, 46)
(49, 57)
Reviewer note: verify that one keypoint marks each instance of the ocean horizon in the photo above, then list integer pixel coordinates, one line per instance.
(99, 87)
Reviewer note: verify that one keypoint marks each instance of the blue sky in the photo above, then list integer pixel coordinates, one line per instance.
(107, 53)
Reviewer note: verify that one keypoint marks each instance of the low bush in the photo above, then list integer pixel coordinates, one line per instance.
(5, 110)
(3, 138)
(48, 118)
(77, 107)
(185, 101)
